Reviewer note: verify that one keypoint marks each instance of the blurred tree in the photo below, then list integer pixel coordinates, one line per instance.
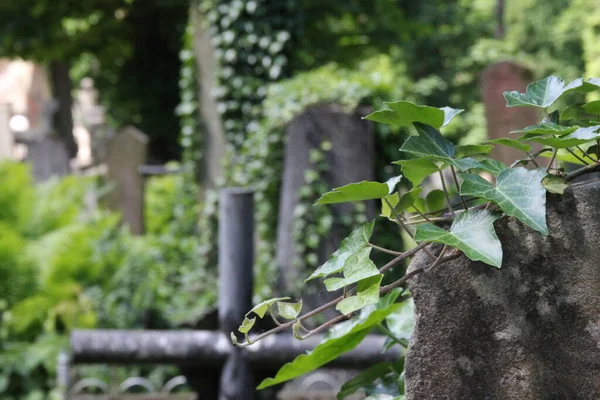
(130, 47)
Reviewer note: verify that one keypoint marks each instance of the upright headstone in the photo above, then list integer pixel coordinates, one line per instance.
(529, 330)
(127, 151)
(352, 159)
(495, 80)
(6, 135)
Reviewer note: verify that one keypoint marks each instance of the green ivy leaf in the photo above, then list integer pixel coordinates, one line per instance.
(359, 191)
(408, 199)
(404, 113)
(357, 267)
(331, 348)
(289, 310)
(429, 144)
(367, 292)
(432, 145)
(515, 144)
(593, 107)
(358, 239)
(546, 128)
(542, 93)
(492, 166)
(416, 170)
(365, 378)
(261, 308)
(578, 137)
(555, 184)
(435, 200)
(472, 232)
(247, 324)
(467, 150)
(518, 192)
(393, 199)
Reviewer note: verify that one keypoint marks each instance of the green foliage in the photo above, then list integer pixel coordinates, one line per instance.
(517, 192)
(346, 339)
(472, 232)
(66, 265)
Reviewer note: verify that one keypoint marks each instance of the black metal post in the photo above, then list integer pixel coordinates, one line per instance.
(236, 260)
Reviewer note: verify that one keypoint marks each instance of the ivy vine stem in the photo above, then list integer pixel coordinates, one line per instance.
(585, 153)
(335, 301)
(384, 250)
(381, 328)
(399, 219)
(582, 171)
(458, 187)
(577, 157)
(446, 193)
(552, 160)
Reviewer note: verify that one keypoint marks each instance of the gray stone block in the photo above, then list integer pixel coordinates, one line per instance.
(530, 330)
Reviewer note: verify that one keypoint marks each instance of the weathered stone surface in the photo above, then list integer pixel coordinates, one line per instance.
(530, 330)
(351, 160)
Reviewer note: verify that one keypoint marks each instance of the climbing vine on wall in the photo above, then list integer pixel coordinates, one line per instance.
(444, 228)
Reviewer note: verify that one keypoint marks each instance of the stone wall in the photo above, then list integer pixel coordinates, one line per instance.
(530, 330)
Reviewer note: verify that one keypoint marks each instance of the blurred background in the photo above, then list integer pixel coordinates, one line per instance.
(120, 119)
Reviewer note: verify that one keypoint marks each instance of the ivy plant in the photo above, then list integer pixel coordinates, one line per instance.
(484, 189)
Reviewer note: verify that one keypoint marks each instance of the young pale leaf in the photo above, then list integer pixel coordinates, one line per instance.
(518, 192)
(578, 137)
(555, 184)
(289, 310)
(467, 150)
(515, 144)
(247, 325)
(261, 308)
(357, 267)
(472, 232)
(393, 200)
(492, 166)
(367, 292)
(330, 348)
(403, 113)
(542, 93)
(359, 191)
(366, 378)
(350, 245)
(546, 128)
(416, 170)
(402, 321)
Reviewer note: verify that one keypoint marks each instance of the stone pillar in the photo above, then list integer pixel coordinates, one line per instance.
(494, 81)
(127, 151)
(527, 331)
(351, 159)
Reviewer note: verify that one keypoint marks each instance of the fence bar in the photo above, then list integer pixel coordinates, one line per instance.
(210, 349)
(236, 261)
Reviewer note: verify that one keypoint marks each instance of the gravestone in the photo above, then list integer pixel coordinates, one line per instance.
(352, 159)
(127, 151)
(6, 135)
(530, 330)
(494, 81)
